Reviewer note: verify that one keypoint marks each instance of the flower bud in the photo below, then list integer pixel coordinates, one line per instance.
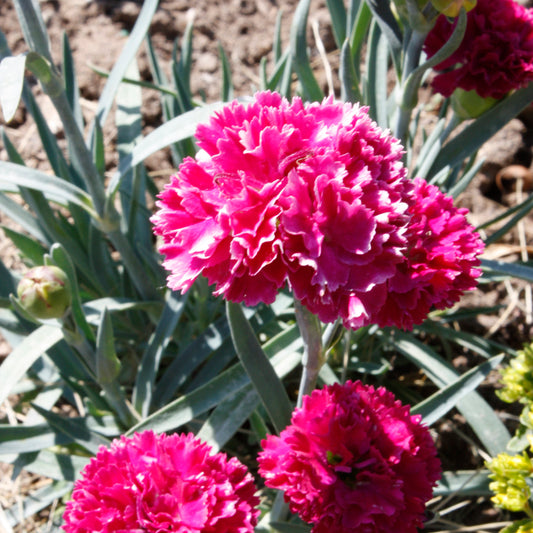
(517, 380)
(44, 292)
(511, 474)
(468, 104)
(451, 8)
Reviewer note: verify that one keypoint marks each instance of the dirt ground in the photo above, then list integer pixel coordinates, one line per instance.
(97, 32)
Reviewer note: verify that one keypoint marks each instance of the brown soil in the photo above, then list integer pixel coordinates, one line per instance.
(97, 33)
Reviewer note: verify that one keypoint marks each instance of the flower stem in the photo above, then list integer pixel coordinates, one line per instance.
(313, 357)
(405, 106)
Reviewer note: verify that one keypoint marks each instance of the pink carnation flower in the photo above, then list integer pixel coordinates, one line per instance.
(440, 262)
(154, 483)
(496, 54)
(313, 195)
(353, 460)
(275, 195)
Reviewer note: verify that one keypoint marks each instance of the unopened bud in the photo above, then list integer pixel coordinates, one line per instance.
(44, 292)
(451, 8)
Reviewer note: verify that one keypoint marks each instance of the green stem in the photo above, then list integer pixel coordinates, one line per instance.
(407, 103)
(413, 72)
(85, 163)
(40, 62)
(313, 357)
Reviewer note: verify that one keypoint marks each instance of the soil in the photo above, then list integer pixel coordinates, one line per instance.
(97, 32)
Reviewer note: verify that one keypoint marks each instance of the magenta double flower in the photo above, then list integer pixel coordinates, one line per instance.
(314, 196)
(153, 483)
(496, 54)
(353, 460)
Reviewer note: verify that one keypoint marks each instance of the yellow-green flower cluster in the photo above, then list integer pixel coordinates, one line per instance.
(520, 526)
(517, 378)
(510, 486)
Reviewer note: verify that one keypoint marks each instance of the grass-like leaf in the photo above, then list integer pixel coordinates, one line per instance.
(107, 362)
(174, 130)
(350, 91)
(228, 383)
(509, 269)
(127, 55)
(257, 365)
(481, 130)
(376, 86)
(466, 483)
(438, 404)
(227, 84)
(337, 12)
(22, 357)
(12, 71)
(228, 417)
(60, 466)
(76, 429)
(298, 37)
(479, 415)
(13, 176)
(39, 499)
(151, 358)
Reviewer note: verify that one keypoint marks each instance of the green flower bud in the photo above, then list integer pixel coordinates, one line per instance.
(468, 104)
(451, 8)
(44, 292)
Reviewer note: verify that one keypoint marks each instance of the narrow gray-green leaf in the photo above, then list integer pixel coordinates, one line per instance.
(62, 259)
(107, 362)
(52, 465)
(482, 129)
(40, 499)
(171, 132)
(466, 483)
(13, 176)
(229, 382)
(298, 38)
(376, 90)
(71, 82)
(438, 404)
(259, 368)
(479, 415)
(17, 363)
(510, 269)
(338, 20)
(128, 53)
(227, 84)
(228, 417)
(186, 408)
(75, 428)
(33, 26)
(22, 217)
(29, 438)
(11, 81)
(387, 22)
(350, 91)
(146, 374)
